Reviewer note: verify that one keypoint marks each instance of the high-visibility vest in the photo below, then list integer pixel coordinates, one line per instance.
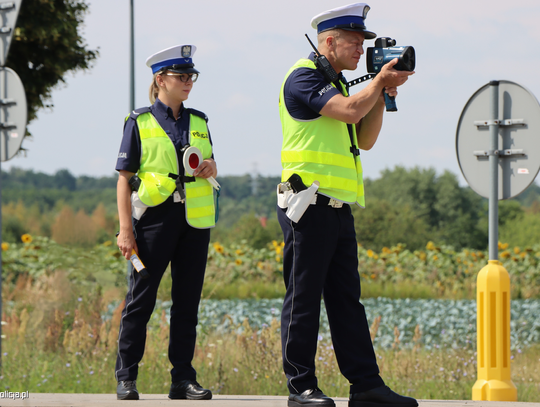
(320, 149)
(159, 159)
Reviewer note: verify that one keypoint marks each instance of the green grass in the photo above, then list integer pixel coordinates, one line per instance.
(244, 289)
(249, 364)
(398, 290)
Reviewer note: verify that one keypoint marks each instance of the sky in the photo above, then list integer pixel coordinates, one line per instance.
(244, 49)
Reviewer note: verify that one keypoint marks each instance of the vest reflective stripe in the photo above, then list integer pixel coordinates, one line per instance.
(159, 158)
(200, 209)
(317, 157)
(319, 150)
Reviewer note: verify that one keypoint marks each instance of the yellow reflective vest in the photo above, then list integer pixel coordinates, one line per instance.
(159, 159)
(319, 149)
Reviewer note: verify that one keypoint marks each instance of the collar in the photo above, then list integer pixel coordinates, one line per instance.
(165, 111)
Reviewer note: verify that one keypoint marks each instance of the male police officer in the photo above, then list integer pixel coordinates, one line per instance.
(323, 128)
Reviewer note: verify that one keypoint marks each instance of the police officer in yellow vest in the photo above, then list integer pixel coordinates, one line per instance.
(165, 217)
(323, 130)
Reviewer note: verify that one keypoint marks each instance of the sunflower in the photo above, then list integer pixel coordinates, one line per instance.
(26, 238)
(5, 246)
(505, 255)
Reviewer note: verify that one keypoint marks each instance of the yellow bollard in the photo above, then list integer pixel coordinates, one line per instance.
(493, 335)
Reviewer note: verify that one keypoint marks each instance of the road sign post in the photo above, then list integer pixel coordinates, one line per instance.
(494, 173)
(500, 172)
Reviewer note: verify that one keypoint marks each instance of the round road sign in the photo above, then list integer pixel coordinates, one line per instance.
(13, 113)
(519, 139)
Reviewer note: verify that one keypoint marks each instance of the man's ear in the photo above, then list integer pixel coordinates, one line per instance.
(330, 41)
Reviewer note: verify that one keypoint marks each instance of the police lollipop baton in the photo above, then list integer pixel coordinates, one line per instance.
(192, 160)
(137, 263)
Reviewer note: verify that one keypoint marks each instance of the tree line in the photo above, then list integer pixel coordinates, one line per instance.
(47, 44)
(410, 206)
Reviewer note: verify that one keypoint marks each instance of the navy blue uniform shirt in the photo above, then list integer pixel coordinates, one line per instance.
(306, 92)
(129, 157)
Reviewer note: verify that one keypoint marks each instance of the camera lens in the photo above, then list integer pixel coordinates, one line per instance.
(407, 60)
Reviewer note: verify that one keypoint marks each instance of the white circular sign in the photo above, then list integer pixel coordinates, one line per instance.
(519, 139)
(13, 113)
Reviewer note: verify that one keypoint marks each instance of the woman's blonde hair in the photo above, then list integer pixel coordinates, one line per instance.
(154, 88)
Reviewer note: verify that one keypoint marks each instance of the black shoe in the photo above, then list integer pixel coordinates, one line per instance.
(189, 389)
(312, 397)
(127, 390)
(380, 397)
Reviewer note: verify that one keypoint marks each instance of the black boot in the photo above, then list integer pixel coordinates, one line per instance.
(381, 397)
(189, 389)
(127, 390)
(310, 398)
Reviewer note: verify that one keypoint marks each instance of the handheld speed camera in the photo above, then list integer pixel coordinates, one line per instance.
(383, 52)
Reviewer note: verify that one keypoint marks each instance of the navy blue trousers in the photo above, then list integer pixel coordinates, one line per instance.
(163, 236)
(320, 259)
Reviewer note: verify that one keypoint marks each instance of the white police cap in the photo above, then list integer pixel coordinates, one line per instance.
(175, 59)
(350, 18)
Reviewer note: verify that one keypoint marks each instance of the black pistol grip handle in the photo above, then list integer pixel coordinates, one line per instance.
(390, 102)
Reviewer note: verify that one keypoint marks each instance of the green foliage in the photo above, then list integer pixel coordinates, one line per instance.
(237, 199)
(409, 206)
(383, 224)
(528, 197)
(244, 271)
(442, 210)
(41, 256)
(46, 45)
(12, 229)
(522, 230)
(19, 179)
(51, 192)
(249, 228)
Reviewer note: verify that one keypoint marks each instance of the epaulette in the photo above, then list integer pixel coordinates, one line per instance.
(139, 111)
(197, 113)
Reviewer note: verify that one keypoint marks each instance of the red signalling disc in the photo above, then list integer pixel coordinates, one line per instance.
(193, 161)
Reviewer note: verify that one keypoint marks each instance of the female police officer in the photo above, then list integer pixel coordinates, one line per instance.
(178, 212)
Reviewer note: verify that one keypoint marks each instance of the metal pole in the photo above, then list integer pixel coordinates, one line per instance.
(494, 173)
(132, 60)
(3, 118)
